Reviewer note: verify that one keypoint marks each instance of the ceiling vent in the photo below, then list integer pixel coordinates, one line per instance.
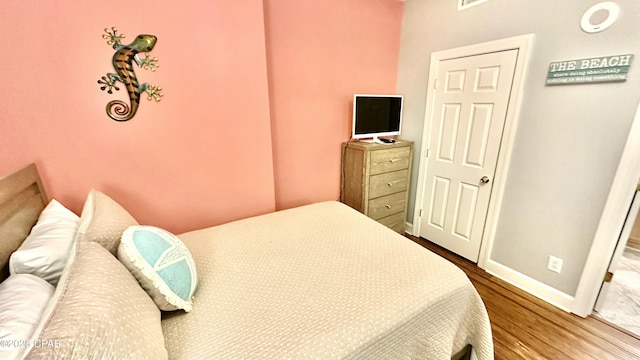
(465, 4)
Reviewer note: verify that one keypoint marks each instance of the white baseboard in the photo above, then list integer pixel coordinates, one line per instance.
(408, 228)
(534, 287)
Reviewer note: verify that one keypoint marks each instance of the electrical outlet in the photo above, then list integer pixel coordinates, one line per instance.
(555, 264)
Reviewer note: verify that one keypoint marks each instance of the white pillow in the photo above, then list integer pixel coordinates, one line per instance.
(162, 264)
(23, 298)
(45, 251)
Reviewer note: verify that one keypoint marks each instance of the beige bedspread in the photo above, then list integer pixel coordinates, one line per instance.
(324, 282)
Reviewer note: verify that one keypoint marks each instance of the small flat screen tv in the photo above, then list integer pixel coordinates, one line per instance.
(376, 115)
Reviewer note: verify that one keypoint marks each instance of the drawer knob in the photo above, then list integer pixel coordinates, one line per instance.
(389, 184)
(388, 206)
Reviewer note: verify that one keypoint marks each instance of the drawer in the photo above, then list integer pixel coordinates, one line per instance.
(387, 160)
(386, 205)
(388, 183)
(395, 222)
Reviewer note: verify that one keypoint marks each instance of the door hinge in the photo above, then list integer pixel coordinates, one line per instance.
(426, 153)
(608, 276)
(435, 84)
(420, 213)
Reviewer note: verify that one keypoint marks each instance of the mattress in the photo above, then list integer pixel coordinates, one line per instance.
(323, 282)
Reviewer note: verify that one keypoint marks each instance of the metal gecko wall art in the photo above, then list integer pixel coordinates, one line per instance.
(122, 61)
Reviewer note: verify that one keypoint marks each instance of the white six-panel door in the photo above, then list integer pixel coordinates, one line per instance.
(470, 107)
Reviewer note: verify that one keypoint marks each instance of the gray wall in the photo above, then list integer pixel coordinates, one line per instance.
(569, 138)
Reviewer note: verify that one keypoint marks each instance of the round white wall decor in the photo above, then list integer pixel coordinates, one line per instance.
(600, 16)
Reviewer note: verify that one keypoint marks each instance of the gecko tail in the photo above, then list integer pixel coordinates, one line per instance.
(118, 110)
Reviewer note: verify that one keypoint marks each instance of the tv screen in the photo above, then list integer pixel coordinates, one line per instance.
(376, 115)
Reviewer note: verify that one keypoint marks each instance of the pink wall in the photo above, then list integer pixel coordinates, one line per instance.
(199, 157)
(320, 53)
(212, 150)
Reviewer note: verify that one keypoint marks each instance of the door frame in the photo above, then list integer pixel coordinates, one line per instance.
(618, 251)
(614, 214)
(523, 44)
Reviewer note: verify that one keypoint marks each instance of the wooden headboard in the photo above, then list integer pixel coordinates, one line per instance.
(22, 198)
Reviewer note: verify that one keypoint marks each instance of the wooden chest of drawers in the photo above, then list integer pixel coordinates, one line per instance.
(375, 180)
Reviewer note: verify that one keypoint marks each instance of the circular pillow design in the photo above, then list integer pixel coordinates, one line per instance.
(162, 264)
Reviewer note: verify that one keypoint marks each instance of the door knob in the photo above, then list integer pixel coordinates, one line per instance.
(484, 179)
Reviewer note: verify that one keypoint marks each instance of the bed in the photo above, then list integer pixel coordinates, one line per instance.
(319, 281)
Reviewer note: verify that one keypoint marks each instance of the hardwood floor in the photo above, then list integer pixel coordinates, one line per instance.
(525, 327)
